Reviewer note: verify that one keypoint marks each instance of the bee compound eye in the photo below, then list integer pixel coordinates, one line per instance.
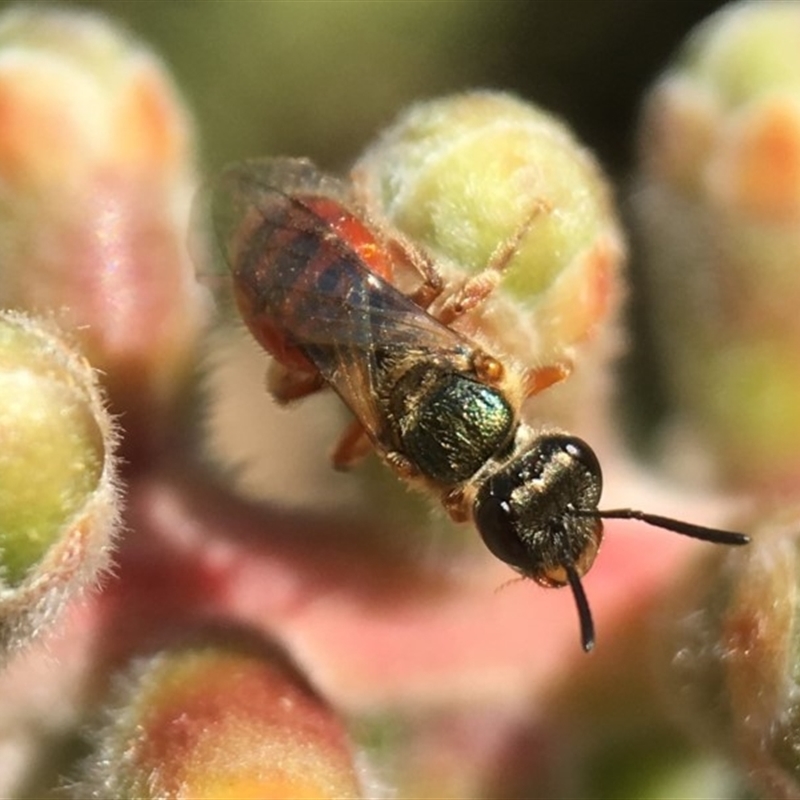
(576, 450)
(497, 523)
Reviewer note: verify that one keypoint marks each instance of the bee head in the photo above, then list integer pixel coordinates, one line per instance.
(539, 513)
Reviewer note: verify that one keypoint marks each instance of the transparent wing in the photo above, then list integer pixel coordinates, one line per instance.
(352, 322)
(225, 203)
(350, 341)
(248, 186)
(315, 288)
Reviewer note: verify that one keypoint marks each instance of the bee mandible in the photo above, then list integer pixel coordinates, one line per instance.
(315, 284)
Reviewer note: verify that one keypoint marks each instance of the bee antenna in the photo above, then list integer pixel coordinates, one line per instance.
(584, 612)
(715, 535)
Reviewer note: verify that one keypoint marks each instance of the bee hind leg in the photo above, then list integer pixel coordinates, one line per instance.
(469, 295)
(405, 252)
(353, 446)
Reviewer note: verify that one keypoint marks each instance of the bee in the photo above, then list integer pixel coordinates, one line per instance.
(316, 285)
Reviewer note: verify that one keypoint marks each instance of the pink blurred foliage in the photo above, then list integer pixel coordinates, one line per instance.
(375, 636)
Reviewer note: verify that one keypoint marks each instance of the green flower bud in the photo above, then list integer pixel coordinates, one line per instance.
(486, 180)
(58, 499)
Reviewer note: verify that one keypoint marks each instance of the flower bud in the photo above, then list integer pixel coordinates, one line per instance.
(730, 660)
(58, 500)
(484, 180)
(95, 187)
(718, 198)
(220, 720)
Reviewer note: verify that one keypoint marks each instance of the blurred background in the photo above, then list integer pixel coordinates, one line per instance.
(321, 77)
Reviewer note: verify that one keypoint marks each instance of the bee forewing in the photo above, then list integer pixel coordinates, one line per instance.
(308, 283)
(348, 325)
(247, 187)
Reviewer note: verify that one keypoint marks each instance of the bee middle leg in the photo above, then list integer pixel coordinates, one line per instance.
(287, 385)
(476, 289)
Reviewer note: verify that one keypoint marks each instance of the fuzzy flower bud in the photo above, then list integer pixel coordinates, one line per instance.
(484, 180)
(730, 666)
(58, 501)
(95, 187)
(719, 202)
(219, 720)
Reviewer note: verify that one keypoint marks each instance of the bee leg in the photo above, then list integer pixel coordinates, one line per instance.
(404, 468)
(351, 447)
(413, 257)
(455, 503)
(476, 289)
(287, 385)
(405, 251)
(469, 295)
(508, 248)
(537, 379)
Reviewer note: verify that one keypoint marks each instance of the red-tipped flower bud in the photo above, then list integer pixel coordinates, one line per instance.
(221, 720)
(719, 201)
(97, 177)
(730, 662)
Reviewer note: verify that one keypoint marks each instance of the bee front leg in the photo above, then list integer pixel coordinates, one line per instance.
(537, 379)
(411, 256)
(476, 289)
(353, 445)
(457, 504)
